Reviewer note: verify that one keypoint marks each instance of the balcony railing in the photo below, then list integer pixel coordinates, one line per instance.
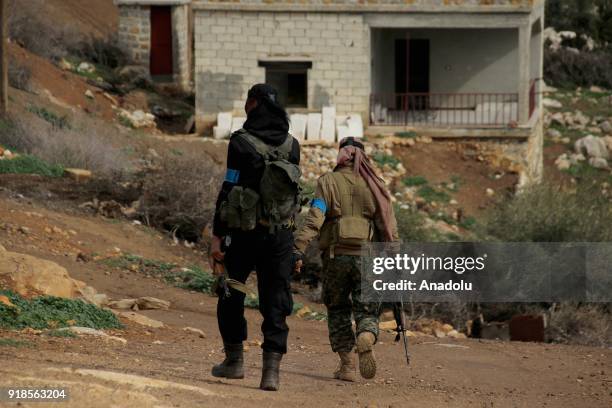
(444, 109)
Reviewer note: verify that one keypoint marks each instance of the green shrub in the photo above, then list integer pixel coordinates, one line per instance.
(52, 312)
(382, 159)
(411, 181)
(60, 122)
(567, 69)
(26, 164)
(431, 194)
(195, 278)
(551, 214)
(411, 226)
(15, 343)
(406, 135)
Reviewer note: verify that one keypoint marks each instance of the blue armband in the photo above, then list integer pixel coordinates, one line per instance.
(231, 176)
(320, 204)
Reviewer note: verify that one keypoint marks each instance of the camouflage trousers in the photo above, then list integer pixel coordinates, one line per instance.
(341, 295)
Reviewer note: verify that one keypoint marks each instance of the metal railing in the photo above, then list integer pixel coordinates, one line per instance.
(444, 109)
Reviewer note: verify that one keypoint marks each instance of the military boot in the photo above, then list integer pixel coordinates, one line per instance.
(270, 369)
(346, 370)
(364, 347)
(232, 366)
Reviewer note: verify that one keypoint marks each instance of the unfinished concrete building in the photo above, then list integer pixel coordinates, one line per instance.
(158, 35)
(444, 68)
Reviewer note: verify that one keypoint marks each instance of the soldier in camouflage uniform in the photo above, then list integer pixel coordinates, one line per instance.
(351, 207)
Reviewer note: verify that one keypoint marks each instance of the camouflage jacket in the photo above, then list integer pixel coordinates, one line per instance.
(339, 194)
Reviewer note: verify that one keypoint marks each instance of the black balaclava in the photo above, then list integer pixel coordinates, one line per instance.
(268, 120)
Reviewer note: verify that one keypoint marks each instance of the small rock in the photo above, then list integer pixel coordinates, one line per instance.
(551, 103)
(6, 301)
(598, 162)
(86, 67)
(606, 127)
(93, 332)
(89, 94)
(490, 192)
(77, 175)
(196, 331)
(25, 230)
(142, 320)
(553, 133)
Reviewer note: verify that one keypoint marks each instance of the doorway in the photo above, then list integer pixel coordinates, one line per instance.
(162, 62)
(412, 72)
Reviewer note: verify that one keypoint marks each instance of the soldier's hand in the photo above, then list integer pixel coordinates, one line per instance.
(298, 262)
(215, 255)
(298, 266)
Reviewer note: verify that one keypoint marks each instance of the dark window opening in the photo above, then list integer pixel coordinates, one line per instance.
(290, 79)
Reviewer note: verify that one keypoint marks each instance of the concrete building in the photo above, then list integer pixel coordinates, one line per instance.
(448, 68)
(158, 34)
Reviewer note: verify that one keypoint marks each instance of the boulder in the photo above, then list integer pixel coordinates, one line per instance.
(598, 162)
(28, 276)
(77, 174)
(551, 103)
(143, 303)
(141, 319)
(592, 146)
(87, 331)
(553, 133)
(388, 325)
(86, 67)
(199, 332)
(606, 127)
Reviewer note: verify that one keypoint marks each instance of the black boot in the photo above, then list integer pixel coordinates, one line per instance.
(269, 373)
(232, 366)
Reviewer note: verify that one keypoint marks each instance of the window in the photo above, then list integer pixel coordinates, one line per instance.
(290, 79)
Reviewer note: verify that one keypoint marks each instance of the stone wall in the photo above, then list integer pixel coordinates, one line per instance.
(135, 33)
(229, 45)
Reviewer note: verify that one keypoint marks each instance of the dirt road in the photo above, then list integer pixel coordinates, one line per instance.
(170, 367)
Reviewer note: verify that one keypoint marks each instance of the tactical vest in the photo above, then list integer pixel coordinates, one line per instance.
(349, 224)
(278, 199)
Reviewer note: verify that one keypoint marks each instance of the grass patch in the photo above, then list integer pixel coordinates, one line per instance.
(191, 278)
(60, 122)
(412, 181)
(27, 164)
(406, 135)
(431, 194)
(383, 159)
(62, 334)
(411, 225)
(15, 343)
(48, 312)
(552, 214)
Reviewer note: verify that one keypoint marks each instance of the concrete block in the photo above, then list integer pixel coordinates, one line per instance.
(224, 125)
(237, 124)
(297, 126)
(355, 125)
(313, 131)
(343, 131)
(328, 124)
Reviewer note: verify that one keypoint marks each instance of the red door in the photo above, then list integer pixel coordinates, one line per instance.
(161, 41)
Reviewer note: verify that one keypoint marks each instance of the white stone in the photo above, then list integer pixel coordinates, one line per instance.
(313, 129)
(297, 126)
(237, 124)
(592, 146)
(224, 125)
(328, 126)
(551, 103)
(343, 131)
(355, 125)
(598, 162)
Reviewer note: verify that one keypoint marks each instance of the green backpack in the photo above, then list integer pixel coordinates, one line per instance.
(279, 187)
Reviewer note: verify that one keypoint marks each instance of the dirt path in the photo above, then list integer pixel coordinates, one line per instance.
(171, 367)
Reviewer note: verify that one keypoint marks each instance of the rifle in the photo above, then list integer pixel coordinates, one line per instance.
(400, 320)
